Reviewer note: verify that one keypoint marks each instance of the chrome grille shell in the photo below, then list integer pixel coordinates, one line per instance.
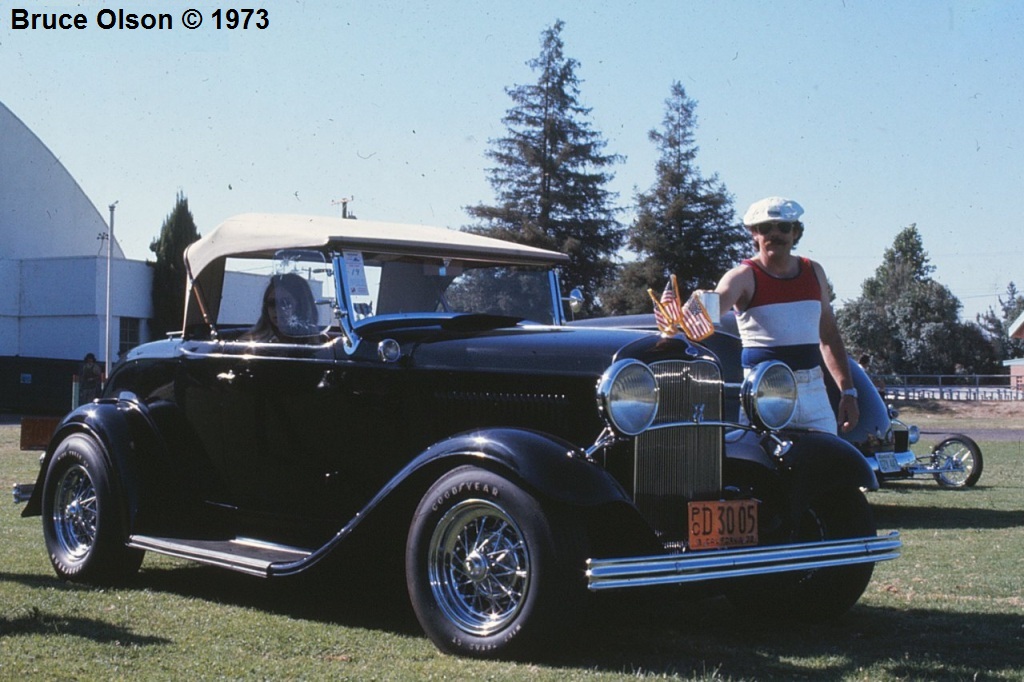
(680, 458)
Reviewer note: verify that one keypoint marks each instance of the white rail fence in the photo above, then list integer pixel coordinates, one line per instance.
(949, 386)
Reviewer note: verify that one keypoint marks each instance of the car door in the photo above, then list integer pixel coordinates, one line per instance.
(280, 411)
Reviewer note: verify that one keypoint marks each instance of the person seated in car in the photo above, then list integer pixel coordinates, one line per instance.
(288, 314)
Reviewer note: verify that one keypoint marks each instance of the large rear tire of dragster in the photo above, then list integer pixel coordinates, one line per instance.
(491, 572)
(82, 521)
(963, 453)
(823, 593)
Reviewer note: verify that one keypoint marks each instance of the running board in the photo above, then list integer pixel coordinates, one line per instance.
(244, 555)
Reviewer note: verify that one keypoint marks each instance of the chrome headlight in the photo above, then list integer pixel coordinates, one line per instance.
(627, 396)
(769, 395)
(915, 434)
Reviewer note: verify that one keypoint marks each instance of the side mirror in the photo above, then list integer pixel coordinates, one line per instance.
(575, 301)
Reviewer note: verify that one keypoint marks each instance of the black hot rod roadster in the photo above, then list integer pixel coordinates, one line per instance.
(341, 385)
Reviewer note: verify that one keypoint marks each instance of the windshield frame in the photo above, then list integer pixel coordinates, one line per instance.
(354, 323)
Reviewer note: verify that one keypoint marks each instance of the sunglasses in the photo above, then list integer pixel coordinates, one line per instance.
(283, 302)
(784, 227)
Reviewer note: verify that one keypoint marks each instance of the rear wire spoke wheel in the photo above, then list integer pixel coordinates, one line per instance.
(491, 572)
(964, 455)
(82, 524)
(74, 513)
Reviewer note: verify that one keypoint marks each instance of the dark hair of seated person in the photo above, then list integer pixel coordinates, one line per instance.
(287, 314)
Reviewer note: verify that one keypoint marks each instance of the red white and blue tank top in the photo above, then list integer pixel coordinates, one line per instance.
(783, 318)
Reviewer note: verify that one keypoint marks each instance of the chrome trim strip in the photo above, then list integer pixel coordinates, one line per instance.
(22, 492)
(607, 574)
(188, 353)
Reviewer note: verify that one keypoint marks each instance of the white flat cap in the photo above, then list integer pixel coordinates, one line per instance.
(772, 210)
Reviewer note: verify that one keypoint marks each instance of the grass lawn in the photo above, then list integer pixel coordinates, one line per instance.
(951, 608)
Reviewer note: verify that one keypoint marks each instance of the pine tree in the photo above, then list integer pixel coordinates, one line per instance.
(997, 327)
(178, 231)
(685, 223)
(908, 322)
(551, 173)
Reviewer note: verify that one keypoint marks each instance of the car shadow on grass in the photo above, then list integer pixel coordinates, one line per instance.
(35, 621)
(344, 598)
(661, 633)
(710, 639)
(945, 518)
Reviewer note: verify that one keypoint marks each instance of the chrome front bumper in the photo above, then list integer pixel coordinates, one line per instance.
(608, 574)
(907, 463)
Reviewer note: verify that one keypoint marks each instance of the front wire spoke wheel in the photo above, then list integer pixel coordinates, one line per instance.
(491, 570)
(961, 456)
(479, 567)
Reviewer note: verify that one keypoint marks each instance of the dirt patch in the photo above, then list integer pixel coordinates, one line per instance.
(968, 409)
(976, 418)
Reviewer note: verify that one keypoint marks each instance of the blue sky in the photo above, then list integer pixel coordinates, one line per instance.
(873, 115)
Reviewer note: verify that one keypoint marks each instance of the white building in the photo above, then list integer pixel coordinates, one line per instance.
(53, 278)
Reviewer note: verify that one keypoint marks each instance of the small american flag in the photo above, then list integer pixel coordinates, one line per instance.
(694, 320)
(666, 311)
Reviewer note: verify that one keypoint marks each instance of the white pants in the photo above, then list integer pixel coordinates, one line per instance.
(813, 409)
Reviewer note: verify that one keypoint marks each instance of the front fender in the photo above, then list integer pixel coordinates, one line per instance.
(555, 468)
(818, 462)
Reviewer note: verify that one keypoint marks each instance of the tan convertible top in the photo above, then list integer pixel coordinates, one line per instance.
(261, 235)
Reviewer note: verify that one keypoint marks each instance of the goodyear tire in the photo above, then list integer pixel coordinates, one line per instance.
(490, 572)
(82, 523)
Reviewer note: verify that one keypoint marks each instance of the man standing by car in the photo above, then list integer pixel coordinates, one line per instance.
(784, 313)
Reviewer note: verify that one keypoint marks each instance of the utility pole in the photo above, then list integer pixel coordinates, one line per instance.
(344, 205)
(110, 242)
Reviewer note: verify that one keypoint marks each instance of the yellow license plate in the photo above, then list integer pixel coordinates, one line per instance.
(722, 523)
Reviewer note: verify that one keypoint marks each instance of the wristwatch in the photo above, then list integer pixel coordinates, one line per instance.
(850, 392)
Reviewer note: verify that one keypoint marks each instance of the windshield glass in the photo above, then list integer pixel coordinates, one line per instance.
(377, 286)
(286, 299)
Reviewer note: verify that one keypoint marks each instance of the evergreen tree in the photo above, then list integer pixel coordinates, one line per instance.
(551, 172)
(998, 328)
(908, 322)
(178, 231)
(685, 223)
(904, 265)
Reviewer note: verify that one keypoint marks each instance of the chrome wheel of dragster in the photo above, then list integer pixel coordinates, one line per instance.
(822, 593)
(961, 452)
(486, 566)
(82, 524)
